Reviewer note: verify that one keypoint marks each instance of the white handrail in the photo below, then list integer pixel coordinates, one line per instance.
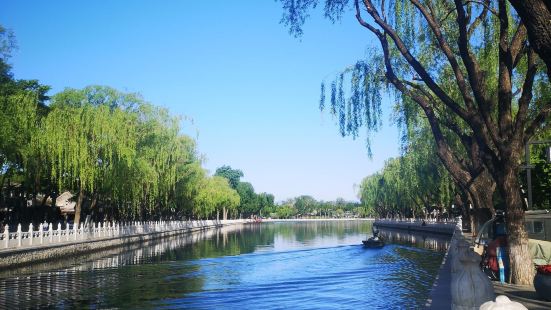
(41, 236)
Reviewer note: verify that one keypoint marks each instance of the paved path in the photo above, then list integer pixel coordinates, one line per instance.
(526, 295)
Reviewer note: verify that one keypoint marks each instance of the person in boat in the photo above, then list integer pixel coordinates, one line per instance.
(375, 234)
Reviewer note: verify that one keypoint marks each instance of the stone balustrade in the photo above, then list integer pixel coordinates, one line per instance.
(48, 234)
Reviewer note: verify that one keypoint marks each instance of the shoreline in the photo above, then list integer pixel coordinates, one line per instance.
(13, 258)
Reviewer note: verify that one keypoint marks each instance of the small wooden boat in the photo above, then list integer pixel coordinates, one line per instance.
(374, 242)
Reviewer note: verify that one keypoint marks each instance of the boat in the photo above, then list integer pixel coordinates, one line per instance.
(375, 241)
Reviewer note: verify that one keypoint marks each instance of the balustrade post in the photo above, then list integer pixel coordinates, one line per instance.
(100, 229)
(51, 232)
(67, 231)
(75, 231)
(6, 236)
(58, 232)
(19, 235)
(30, 234)
(41, 232)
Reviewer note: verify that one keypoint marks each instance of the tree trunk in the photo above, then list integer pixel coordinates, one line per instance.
(94, 201)
(481, 193)
(536, 16)
(521, 266)
(78, 207)
(224, 213)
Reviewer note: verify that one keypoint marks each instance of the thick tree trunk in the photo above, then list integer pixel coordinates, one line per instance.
(94, 201)
(481, 193)
(536, 16)
(521, 266)
(78, 207)
(224, 213)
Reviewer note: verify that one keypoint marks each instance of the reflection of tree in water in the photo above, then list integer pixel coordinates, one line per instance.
(425, 263)
(413, 266)
(423, 240)
(309, 230)
(156, 269)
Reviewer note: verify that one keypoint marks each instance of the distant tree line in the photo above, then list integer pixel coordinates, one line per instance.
(263, 205)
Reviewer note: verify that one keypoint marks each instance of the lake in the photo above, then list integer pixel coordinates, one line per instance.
(282, 265)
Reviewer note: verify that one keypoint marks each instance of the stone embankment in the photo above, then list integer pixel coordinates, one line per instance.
(440, 227)
(25, 248)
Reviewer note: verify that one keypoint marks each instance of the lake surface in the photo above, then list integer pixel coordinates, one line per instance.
(298, 265)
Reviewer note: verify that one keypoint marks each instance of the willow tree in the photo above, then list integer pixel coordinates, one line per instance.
(406, 186)
(155, 181)
(426, 44)
(22, 106)
(83, 141)
(474, 194)
(215, 195)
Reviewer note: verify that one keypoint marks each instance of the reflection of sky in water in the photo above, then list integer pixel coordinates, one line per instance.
(281, 265)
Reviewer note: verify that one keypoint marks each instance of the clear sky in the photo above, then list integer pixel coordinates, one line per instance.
(251, 89)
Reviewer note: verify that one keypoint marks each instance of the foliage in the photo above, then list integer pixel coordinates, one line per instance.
(215, 193)
(233, 175)
(468, 67)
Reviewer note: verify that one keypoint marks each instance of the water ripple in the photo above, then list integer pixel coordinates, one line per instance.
(244, 269)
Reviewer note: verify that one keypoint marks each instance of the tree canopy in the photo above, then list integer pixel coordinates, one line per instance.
(468, 68)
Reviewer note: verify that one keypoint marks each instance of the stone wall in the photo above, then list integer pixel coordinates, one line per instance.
(416, 225)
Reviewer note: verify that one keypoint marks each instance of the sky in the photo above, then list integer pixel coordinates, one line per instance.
(249, 89)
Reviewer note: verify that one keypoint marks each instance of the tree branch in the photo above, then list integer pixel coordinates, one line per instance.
(504, 94)
(479, 18)
(538, 121)
(526, 96)
(415, 64)
(517, 43)
(445, 47)
(487, 134)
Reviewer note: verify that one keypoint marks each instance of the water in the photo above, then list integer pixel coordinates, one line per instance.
(314, 265)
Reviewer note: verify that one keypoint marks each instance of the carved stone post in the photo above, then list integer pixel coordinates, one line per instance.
(6, 236)
(470, 287)
(19, 235)
(502, 302)
(31, 234)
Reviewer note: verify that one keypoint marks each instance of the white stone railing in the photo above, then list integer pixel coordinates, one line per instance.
(46, 235)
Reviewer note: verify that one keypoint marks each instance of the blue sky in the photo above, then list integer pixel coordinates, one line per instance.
(251, 89)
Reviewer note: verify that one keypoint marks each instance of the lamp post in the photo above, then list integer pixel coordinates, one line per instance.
(529, 167)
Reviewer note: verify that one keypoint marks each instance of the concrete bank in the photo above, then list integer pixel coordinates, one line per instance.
(18, 257)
